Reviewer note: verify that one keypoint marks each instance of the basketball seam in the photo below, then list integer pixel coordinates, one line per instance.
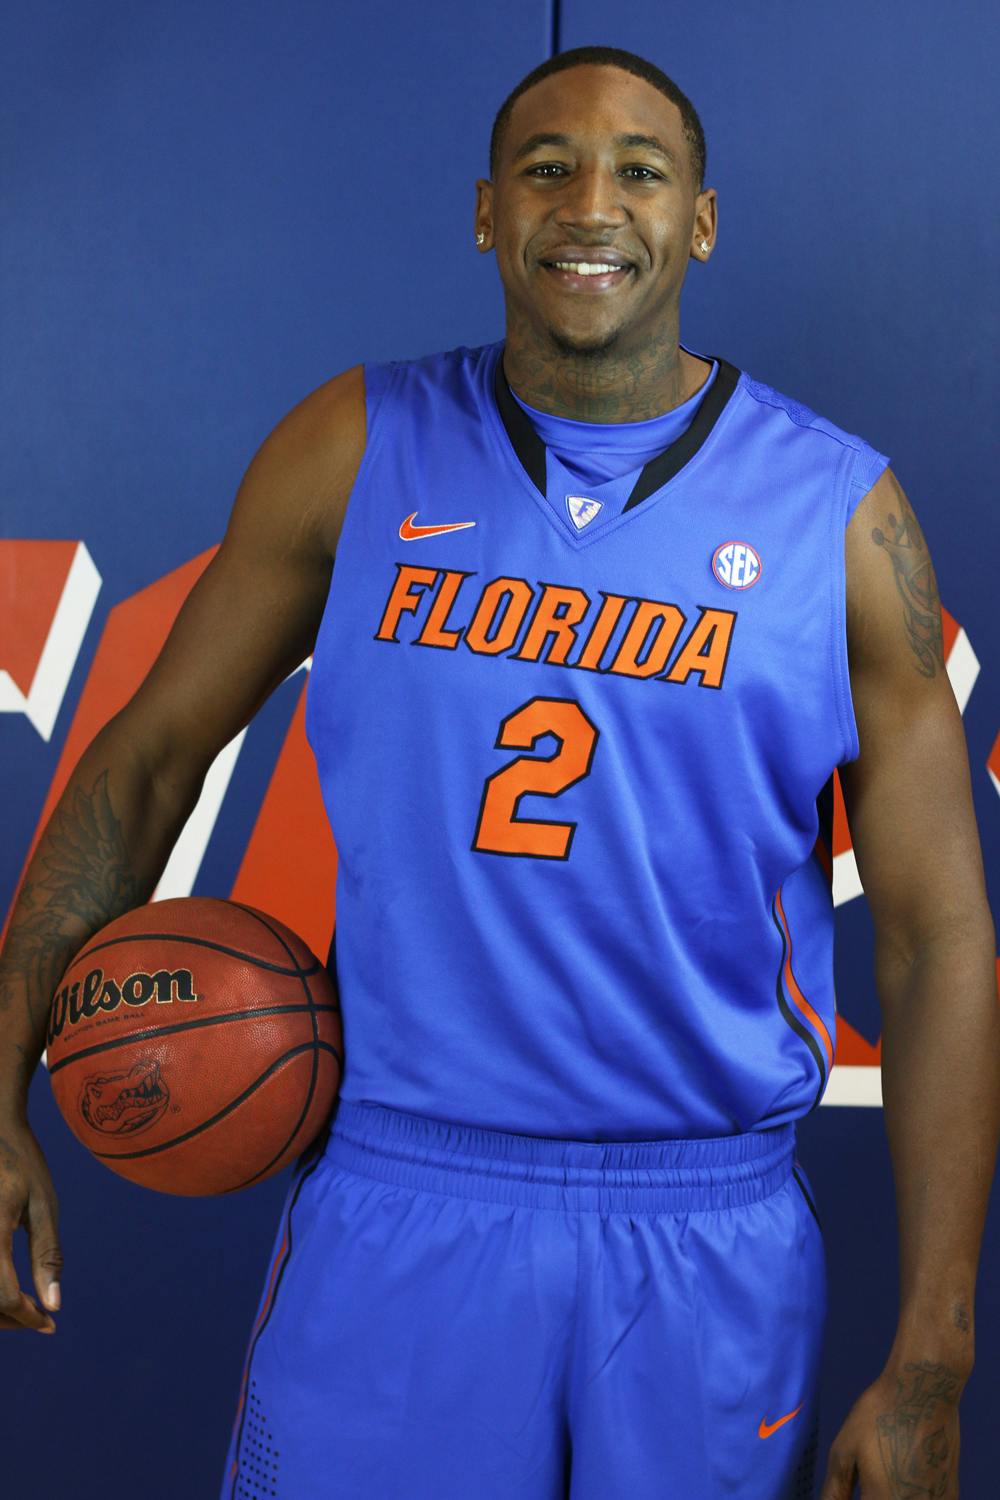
(259, 916)
(296, 972)
(195, 1022)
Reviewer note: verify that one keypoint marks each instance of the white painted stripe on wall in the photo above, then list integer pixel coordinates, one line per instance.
(846, 880)
(854, 1085)
(963, 669)
(181, 870)
(62, 646)
(12, 700)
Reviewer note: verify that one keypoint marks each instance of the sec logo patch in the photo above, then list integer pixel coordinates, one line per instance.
(736, 564)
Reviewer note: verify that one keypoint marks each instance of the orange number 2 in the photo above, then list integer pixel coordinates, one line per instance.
(499, 829)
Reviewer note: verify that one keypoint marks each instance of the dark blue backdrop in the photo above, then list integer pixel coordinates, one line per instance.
(210, 210)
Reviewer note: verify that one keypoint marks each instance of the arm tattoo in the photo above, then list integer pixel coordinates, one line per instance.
(86, 880)
(918, 1453)
(914, 573)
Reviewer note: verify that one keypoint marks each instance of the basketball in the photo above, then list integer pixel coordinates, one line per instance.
(194, 1046)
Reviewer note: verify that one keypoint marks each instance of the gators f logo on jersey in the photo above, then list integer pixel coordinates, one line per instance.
(582, 510)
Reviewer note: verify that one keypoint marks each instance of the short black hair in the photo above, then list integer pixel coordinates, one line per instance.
(614, 57)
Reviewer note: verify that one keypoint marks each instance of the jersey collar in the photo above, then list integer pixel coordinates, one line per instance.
(655, 474)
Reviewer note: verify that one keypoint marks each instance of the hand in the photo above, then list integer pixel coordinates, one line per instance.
(27, 1197)
(900, 1439)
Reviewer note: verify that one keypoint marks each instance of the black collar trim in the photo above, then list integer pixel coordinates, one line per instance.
(530, 449)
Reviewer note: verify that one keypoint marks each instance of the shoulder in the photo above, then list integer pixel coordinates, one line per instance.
(893, 610)
(807, 426)
(328, 426)
(892, 589)
(299, 479)
(442, 370)
(887, 563)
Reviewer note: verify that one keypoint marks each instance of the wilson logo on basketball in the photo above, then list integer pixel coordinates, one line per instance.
(83, 999)
(736, 565)
(122, 1103)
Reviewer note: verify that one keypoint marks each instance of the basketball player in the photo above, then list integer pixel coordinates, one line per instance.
(588, 658)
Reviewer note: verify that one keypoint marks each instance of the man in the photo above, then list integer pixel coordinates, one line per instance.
(580, 681)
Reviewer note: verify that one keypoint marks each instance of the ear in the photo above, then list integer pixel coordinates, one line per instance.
(706, 224)
(484, 212)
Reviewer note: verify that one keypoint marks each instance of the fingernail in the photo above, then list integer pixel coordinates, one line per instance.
(50, 1329)
(53, 1298)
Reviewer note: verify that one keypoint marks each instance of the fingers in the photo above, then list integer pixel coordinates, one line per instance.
(17, 1309)
(30, 1315)
(839, 1481)
(46, 1255)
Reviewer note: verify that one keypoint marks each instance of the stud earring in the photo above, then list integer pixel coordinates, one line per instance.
(480, 238)
(704, 247)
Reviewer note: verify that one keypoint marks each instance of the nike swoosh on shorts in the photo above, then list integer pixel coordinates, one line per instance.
(765, 1429)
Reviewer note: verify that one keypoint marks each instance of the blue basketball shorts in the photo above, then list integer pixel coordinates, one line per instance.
(453, 1312)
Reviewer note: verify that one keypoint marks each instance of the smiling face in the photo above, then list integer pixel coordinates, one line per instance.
(594, 167)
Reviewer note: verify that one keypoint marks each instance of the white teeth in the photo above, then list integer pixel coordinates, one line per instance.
(584, 268)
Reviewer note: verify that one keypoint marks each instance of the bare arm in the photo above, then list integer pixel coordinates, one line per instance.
(913, 827)
(250, 620)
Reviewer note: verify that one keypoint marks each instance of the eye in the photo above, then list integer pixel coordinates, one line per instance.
(549, 166)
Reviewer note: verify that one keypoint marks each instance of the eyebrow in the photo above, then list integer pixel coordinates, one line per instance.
(555, 138)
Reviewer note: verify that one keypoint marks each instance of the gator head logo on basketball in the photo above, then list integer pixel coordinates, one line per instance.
(122, 1103)
(736, 564)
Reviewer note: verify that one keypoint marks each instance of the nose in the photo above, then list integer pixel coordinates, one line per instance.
(592, 198)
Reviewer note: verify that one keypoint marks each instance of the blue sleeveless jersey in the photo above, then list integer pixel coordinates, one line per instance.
(576, 746)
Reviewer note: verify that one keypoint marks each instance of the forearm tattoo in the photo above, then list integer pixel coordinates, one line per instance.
(915, 580)
(918, 1452)
(83, 878)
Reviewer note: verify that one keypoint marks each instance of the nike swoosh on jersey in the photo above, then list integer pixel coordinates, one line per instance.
(765, 1429)
(410, 533)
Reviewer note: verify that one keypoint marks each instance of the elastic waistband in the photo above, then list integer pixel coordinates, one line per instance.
(659, 1176)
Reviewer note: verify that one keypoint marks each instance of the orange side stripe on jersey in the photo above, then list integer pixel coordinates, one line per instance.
(792, 986)
(270, 1286)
